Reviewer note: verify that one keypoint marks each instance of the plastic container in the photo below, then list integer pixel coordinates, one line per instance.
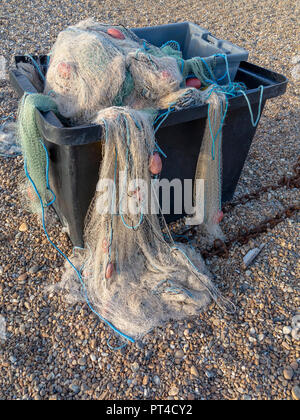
(75, 151)
(195, 41)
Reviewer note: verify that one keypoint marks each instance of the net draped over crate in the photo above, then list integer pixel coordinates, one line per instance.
(135, 276)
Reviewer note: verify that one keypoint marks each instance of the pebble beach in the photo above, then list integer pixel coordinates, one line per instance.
(50, 349)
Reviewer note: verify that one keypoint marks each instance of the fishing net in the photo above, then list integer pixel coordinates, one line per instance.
(131, 272)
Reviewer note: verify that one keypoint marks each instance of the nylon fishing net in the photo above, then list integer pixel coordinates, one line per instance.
(131, 272)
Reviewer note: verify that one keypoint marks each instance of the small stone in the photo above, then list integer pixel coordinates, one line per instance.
(178, 354)
(296, 321)
(296, 393)
(194, 371)
(288, 373)
(294, 366)
(173, 391)
(75, 388)
(22, 277)
(287, 330)
(22, 329)
(209, 374)
(93, 358)
(145, 380)
(285, 345)
(135, 367)
(12, 359)
(216, 322)
(50, 377)
(296, 333)
(93, 344)
(23, 227)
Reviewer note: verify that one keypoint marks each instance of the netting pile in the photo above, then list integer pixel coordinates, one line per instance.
(131, 271)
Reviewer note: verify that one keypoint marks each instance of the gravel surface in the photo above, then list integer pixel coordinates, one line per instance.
(50, 350)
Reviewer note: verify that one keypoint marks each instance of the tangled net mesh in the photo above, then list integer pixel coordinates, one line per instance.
(134, 275)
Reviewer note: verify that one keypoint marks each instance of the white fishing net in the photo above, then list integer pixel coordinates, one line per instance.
(134, 275)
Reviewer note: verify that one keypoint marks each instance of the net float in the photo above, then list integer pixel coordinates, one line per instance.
(193, 82)
(155, 164)
(115, 33)
(64, 70)
(109, 270)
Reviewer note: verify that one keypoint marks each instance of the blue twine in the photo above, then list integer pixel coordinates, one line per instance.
(115, 348)
(62, 254)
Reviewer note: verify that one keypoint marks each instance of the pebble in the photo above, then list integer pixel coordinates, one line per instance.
(52, 341)
(22, 277)
(296, 333)
(294, 365)
(135, 367)
(82, 361)
(34, 269)
(252, 331)
(179, 354)
(75, 388)
(210, 374)
(287, 330)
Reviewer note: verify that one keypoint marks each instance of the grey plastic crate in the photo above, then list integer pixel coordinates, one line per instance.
(195, 41)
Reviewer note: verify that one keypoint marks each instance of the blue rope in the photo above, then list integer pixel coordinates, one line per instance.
(115, 348)
(62, 254)
(254, 123)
